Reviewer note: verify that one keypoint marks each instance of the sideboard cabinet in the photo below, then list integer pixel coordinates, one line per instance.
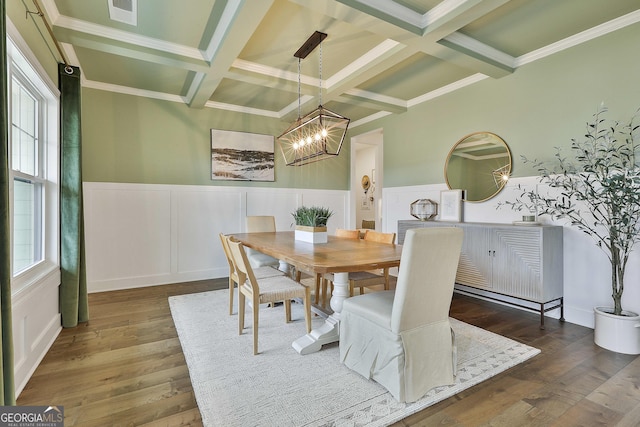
(521, 262)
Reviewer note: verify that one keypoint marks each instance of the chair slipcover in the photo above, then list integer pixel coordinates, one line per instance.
(403, 339)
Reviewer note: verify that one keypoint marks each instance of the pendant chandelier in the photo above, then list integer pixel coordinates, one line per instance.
(319, 134)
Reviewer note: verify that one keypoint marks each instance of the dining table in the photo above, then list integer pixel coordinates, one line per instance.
(339, 256)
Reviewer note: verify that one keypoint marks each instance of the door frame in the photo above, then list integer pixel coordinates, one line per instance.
(372, 138)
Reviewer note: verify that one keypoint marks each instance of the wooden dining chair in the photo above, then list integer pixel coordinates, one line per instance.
(260, 272)
(266, 290)
(260, 224)
(368, 224)
(362, 279)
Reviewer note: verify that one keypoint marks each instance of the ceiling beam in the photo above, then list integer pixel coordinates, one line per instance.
(241, 18)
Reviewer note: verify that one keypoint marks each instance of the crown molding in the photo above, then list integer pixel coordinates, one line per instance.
(127, 37)
(582, 37)
(368, 119)
(108, 87)
(446, 89)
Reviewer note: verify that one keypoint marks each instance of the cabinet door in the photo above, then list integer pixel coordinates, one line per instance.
(517, 262)
(475, 260)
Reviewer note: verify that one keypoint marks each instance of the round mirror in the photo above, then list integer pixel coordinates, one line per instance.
(479, 164)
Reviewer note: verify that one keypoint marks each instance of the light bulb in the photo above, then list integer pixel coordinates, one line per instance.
(309, 140)
(324, 133)
(295, 145)
(317, 137)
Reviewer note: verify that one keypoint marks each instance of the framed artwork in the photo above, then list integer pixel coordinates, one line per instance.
(451, 205)
(241, 156)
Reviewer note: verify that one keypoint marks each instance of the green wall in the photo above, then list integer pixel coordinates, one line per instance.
(540, 106)
(141, 140)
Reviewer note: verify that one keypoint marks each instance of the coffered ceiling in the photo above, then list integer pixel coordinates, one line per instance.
(380, 56)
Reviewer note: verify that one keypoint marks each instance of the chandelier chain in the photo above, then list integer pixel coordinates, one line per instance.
(299, 92)
(320, 85)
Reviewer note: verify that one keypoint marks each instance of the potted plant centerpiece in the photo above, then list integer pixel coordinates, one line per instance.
(598, 191)
(311, 223)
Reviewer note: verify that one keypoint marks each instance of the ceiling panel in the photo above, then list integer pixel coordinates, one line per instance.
(415, 76)
(239, 93)
(127, 72)
(287, 26)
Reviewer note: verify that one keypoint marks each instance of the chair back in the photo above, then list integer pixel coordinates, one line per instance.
(241, 263)
(348, 234)
(427, 274)
(260, 223)
(227, 253)
(376, 236)
(368, 224)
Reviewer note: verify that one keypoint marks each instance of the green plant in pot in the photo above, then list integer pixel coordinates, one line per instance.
(311, 223)
(598, 191)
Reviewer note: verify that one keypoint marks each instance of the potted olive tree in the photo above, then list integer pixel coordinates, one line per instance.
(598, 191)
(311, 223)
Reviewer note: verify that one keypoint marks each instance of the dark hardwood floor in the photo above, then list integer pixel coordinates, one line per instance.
(126, 367)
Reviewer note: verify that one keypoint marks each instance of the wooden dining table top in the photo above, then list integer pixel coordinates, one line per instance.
(336, 256)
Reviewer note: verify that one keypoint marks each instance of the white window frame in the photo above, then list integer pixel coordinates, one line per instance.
(22, 64)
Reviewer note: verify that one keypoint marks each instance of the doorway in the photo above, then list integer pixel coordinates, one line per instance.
(366, 180)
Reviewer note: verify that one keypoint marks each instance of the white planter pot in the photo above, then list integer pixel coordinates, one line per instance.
(617, 333)
(311, 234)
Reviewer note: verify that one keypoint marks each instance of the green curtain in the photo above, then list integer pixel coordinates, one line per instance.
(74, 306)
(7, 391)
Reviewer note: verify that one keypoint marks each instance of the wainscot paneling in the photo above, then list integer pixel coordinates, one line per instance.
(36, 324)
(144, 234)
(586, 269)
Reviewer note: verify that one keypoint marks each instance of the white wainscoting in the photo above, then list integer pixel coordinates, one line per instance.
(586, 268)
(36, 324)
(142, 235)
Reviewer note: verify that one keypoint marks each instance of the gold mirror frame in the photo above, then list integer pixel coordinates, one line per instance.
(479, 164)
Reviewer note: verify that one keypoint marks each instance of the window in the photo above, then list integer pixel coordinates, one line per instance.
(27, 177)
(33, 168)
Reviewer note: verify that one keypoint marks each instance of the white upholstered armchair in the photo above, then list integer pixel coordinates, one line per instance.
(402, 339)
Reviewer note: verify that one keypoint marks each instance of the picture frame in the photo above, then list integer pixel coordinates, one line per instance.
(242, 156)
(451, 205)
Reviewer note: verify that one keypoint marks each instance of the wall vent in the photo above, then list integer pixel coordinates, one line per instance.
(124, 11)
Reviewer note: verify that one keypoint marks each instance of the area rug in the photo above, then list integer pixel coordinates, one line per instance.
(279, 387)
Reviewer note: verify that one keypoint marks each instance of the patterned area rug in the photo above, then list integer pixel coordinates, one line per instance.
(278, 387)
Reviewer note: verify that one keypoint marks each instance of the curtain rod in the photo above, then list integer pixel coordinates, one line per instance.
(67, 67)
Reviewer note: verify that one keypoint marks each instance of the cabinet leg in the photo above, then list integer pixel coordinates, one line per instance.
(562, 310)
(542, 316)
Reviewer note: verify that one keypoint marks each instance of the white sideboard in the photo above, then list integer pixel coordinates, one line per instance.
(502, 260)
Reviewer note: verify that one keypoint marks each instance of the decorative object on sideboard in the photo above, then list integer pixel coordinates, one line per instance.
(598, 191)
(319, 134)
(311, 223)
(479, 164)
(424, 209)
(451, 205)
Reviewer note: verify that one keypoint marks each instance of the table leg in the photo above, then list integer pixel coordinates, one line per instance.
(329, 331)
